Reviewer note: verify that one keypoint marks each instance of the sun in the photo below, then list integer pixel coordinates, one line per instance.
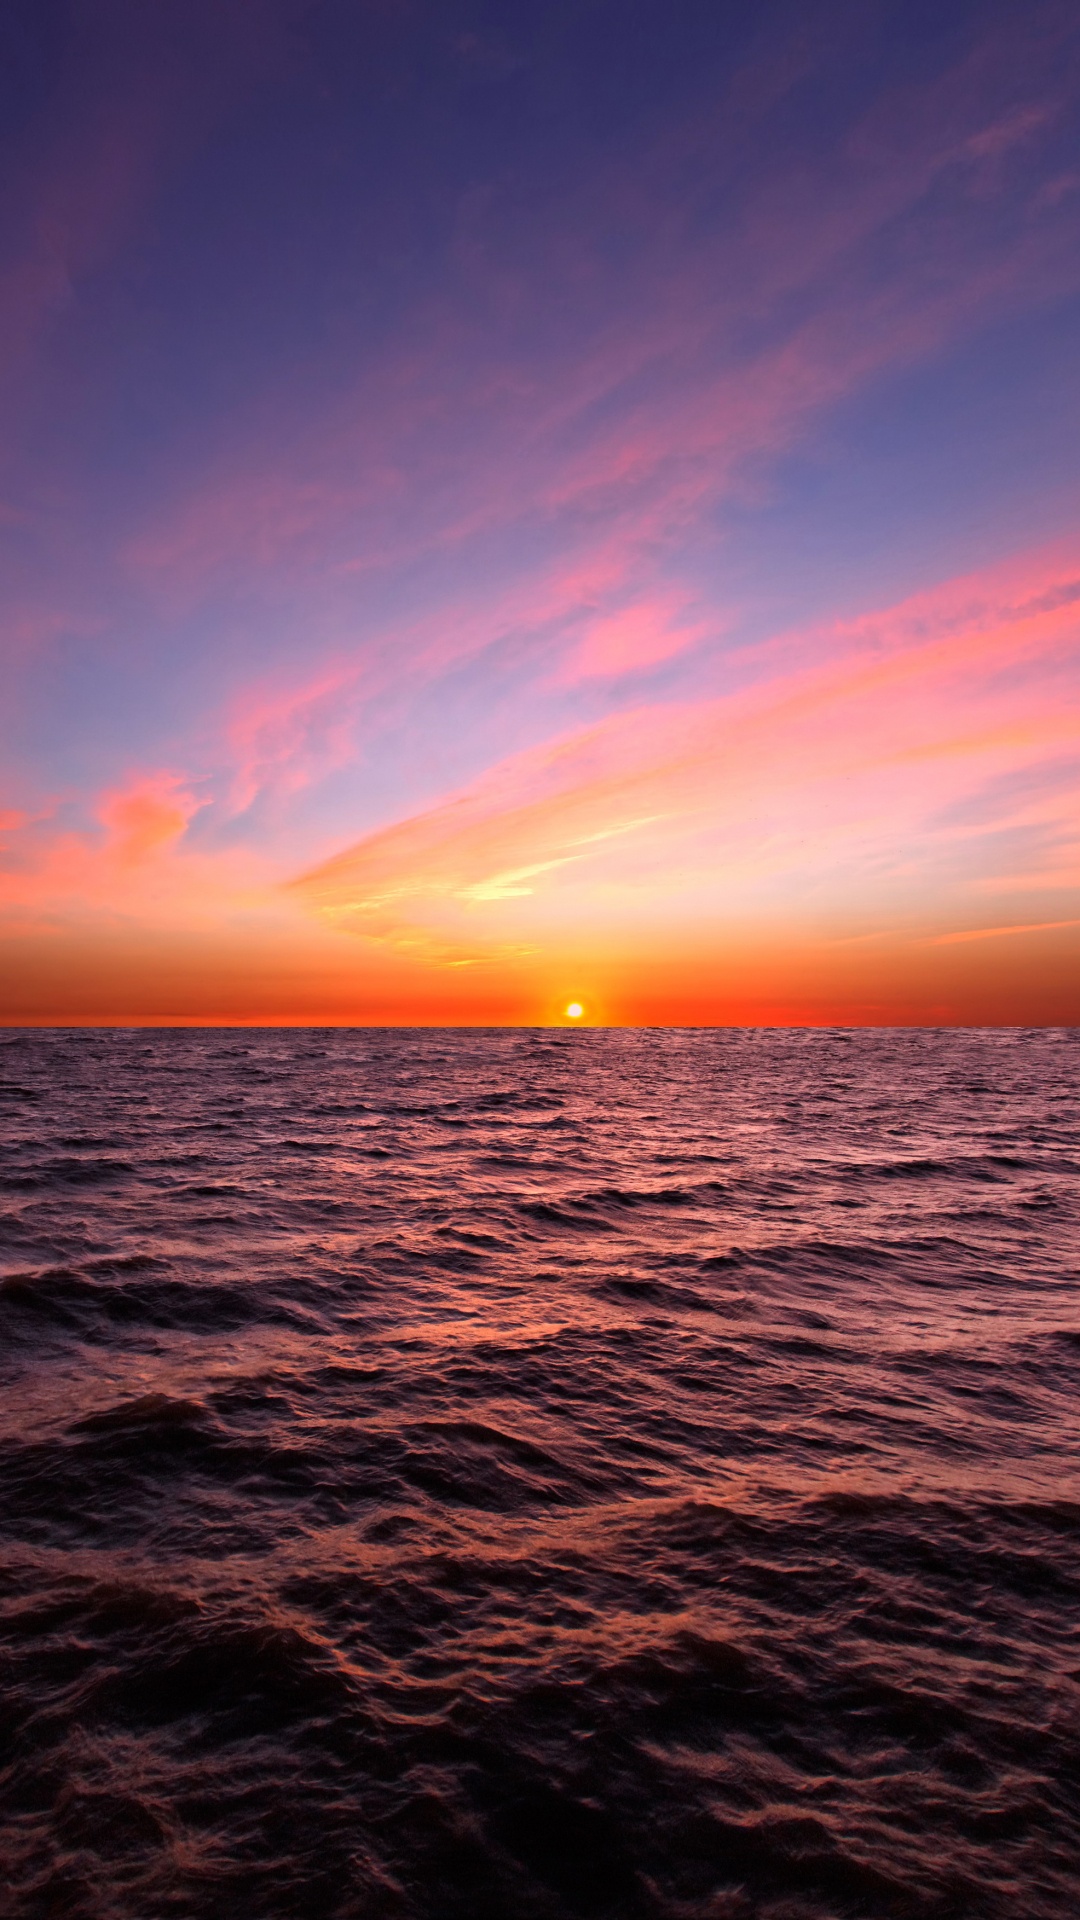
(575, 1010)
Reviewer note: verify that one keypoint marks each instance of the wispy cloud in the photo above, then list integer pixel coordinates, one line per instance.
(706, 346)
(821, 794)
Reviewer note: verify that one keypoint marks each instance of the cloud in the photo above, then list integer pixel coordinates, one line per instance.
(131, 96)
(144, 818)
(831, 790)
(281, 739)
(130, 863)
(635, 637)
(998, 933)
(567, 389)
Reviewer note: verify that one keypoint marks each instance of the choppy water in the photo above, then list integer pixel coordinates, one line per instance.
(514, 1476)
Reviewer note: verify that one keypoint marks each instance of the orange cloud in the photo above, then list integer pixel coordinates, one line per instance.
(134, 869)
(905, 776)
(144, 818)
(834, 835)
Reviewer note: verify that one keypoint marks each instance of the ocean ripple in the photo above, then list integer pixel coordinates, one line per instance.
(526, 1476)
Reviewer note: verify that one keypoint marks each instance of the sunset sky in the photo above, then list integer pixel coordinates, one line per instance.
(512, 504)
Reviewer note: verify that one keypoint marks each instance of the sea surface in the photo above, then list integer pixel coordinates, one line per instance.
(525, 1475)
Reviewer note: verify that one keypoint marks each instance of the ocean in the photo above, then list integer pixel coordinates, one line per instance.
(533, 1474)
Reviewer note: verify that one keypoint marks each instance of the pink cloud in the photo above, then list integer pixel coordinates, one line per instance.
(145, 817)
(634, 637)
(831, 789)
(135, 867)
(281, 739)
(257, 521)
(658, 405)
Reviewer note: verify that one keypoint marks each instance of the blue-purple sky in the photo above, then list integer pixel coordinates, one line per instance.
(506, 503)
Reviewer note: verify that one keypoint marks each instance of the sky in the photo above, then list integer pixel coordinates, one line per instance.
(513, 505)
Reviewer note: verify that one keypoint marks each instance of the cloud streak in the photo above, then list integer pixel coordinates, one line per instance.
(816, 797)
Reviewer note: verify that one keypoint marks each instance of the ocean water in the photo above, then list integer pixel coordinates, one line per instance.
(530, 1475)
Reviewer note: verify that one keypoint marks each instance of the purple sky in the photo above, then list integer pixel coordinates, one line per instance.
(580, 470)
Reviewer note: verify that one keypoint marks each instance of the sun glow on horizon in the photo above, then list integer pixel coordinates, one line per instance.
(575, 1010)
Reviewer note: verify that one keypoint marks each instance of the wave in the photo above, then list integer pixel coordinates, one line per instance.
(449, 1476)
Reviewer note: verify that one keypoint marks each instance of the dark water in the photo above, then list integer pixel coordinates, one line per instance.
(514, 1476)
